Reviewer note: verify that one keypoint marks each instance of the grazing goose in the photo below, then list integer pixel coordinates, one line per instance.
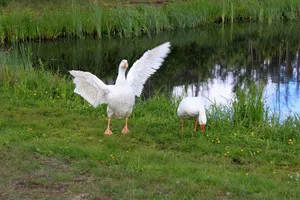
(120, 97)
(192, 108)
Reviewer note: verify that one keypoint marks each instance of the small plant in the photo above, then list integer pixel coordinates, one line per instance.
(223, 11)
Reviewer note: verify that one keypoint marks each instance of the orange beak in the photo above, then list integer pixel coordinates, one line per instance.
(202, 126)
(126, 64)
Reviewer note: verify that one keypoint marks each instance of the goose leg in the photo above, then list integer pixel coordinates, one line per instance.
(182, 125)
(195, 126)
(108, 131)
(125, 129)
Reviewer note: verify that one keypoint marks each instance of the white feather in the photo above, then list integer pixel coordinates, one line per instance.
(143, 68)
(192, 108)
(90, 87)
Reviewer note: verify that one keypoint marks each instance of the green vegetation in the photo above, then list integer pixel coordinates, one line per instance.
(52, 146)
(25, 20)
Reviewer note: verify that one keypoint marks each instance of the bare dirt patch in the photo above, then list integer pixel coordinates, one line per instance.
(42, 182)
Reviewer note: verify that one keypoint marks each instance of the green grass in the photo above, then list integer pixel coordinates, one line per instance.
(26, 20)
(52, 146)
(248, 108)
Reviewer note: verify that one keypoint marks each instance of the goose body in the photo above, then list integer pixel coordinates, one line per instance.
(120, 97)
(192, 108)
(124, 96)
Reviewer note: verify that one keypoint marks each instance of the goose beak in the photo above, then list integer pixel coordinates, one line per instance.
(126, 64)
(202, 126)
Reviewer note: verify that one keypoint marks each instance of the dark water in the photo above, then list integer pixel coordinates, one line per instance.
(210, 61)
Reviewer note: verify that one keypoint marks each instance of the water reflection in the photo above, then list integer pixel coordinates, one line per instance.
(282, 98)
(210, 62)
(213, 91)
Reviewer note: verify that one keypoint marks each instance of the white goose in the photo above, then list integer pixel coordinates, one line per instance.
(192, 108)
(121, 96)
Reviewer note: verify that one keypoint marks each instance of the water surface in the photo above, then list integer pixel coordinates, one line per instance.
(211, 62)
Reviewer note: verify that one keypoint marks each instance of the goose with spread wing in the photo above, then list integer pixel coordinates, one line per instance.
(120, 97)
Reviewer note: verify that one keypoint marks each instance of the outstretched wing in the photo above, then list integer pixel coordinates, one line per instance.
(90, 87)
(143, 68)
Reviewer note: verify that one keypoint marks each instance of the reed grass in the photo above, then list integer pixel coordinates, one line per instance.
(248, 107)
(77, 19)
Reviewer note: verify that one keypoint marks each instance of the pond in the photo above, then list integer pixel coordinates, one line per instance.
(211, 62)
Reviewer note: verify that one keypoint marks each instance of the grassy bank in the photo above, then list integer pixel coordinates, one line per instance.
(24, 20)
(53, 147)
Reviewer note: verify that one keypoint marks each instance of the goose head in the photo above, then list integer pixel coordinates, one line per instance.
(202, 120)
(124, 64)
(122, 70)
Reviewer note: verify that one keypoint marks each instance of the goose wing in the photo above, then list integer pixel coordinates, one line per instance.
(90, 87)
(143, 68)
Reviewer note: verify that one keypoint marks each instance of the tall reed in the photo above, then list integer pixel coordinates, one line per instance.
(248, 106)
(78, 19)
